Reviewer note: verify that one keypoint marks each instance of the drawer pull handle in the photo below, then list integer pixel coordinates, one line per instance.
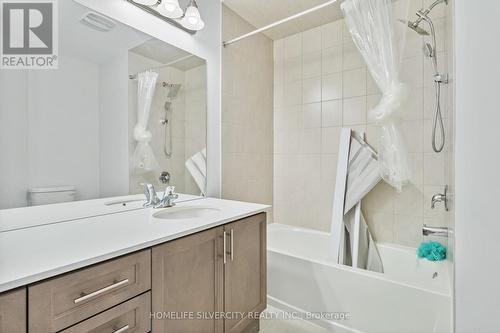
(232, 244)
(121, 330)
(100, 291)
(224, 250)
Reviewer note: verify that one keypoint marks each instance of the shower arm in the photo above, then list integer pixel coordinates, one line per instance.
(422, 14)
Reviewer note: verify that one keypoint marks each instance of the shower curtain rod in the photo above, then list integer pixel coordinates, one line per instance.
(272, 25)
(134, 76)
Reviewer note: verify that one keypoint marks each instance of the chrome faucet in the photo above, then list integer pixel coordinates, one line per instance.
(435, 231)
(151, 198)
(168, 198)
(440, 197)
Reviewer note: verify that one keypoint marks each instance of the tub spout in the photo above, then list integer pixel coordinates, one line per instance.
(435, 231)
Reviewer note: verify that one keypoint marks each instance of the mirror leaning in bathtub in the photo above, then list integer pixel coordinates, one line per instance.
(122, 109)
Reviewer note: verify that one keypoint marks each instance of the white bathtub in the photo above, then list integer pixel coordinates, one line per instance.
(412, 296)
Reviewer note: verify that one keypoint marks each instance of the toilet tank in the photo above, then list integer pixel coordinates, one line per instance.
(49, 195)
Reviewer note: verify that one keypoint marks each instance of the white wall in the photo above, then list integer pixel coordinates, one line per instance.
(49, 122)
(477, 274)
(205, 44)
(114, 127)
(13, 142)
(63, 127)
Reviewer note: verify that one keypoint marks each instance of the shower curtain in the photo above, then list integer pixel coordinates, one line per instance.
(144, 159)
(380, 39)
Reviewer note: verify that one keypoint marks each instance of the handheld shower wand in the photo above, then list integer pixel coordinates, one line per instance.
(430, 52)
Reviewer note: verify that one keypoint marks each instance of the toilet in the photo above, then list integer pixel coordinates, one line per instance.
(50, 195)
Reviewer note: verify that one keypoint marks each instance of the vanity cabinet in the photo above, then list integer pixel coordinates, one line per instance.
(245, 273)
(213, 281)
(13, 311)
(187, 282)
(200, 280)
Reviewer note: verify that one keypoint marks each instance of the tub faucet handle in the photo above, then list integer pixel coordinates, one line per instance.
(440, 197)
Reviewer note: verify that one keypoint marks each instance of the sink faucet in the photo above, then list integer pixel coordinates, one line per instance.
(168, 198)
(151, 198)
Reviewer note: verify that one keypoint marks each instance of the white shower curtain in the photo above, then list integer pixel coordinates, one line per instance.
(379, 37)
(144, 159)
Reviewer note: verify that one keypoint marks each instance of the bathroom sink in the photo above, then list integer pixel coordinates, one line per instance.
(187, 212)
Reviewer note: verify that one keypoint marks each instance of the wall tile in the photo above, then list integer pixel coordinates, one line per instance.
(412, 71)
(292, 69)
(311, 115)
(354, 83)
(331, 113)
(311, 40)
(410, 201)
(332, 87)
(292, 93)
(308, 143)
(408, 230)
(434, 169)
(354, 111)
(332, 60)
(331, 34)
(311, 64)
(351, 57)
(293, 46)
(311, 90)
(330, 140)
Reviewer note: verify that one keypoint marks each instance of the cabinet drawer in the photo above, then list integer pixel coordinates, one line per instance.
(66, 300)
(130, 317)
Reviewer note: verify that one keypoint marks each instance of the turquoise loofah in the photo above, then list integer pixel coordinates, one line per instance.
(432, 251)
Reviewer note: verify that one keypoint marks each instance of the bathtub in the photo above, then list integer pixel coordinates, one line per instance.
(411, 296)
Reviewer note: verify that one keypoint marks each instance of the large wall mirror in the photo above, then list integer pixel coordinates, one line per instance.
(122, 109)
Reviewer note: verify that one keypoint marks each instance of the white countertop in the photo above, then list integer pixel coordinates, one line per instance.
(32, 254)
(27, 217)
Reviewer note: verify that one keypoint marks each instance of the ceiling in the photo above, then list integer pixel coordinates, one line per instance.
(263, 12)
(77, 40)
(165, 53)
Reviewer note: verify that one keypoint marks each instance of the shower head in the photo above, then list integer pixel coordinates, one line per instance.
(414, 26)
(173, 89)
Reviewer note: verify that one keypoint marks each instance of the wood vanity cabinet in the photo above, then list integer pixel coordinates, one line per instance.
(13, 310)
(245, 273)
(200, 283)
(194, 279)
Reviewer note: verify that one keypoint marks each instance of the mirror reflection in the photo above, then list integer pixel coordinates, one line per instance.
(122, 109)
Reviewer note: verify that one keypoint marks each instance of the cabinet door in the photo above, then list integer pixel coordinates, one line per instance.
(188, 283)
(13, 311)
(245, 272)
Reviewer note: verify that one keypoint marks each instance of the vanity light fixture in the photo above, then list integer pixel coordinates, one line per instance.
(192, 18)
(146, 2)
(170, 11)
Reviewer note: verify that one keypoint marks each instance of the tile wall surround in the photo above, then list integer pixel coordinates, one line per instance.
(321, 84)
(247, 114)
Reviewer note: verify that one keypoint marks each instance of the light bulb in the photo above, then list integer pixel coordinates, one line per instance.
(146, 2)
(192, 19)
(170, 9)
